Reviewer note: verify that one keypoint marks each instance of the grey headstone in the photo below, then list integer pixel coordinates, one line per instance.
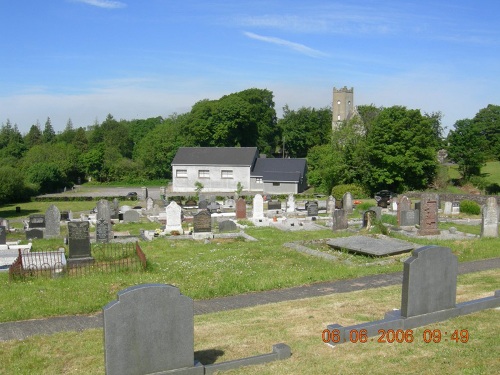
(241, 209)
(202, 222)
(230, 203)
(36, 221)
(227, 226)
(429, 214)
(78, 239)
(52, 222)
(404, 204)
(447, 208)
(312, 209)
(258, 207)
(149, 329)
(115, 209)
(144, 193)
(489, 223)
(330, 205)
(408, 218)
(322, 205)
(131, 216)
(3, 235)
(339, 220)
(103, 222)
(455, 207)
(347, 202)
(102, 231)
(213, 207)
(149, 203)
(429, 281)
(203, 204)
(34, 233)
(274, 205)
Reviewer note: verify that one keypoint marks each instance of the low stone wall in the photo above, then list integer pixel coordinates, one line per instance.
(448, 197)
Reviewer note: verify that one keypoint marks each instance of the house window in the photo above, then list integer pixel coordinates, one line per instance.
(181, 173)
(204, 173)
(226, 174)
(258, 180)
(276, 184)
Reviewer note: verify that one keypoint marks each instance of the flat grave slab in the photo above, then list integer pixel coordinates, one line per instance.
(372, 246)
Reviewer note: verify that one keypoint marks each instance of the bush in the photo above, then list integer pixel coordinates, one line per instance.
(355, 190)
(470, 207)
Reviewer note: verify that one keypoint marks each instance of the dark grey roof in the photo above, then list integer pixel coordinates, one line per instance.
(237, 156)
(279, 170)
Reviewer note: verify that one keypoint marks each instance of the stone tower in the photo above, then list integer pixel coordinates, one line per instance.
(343, 105)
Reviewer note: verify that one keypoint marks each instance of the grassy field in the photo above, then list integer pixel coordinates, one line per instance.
(240, 333)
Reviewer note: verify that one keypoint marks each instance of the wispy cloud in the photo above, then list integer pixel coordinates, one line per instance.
(282, 42)
(108, 4)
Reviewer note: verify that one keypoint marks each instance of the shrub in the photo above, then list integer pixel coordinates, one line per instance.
(356, 191)
(470, 207)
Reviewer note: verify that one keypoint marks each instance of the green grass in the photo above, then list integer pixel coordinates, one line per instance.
(252, 331)
(492, 172)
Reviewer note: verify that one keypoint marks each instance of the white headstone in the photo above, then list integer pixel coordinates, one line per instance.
(447, 208)
(174, 217)
(489, 227)
(258, 207)
(290, 204)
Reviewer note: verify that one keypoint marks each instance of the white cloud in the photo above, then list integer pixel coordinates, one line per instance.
(282, 42)
(108, 4)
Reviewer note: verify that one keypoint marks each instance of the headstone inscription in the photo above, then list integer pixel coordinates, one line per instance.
(347, 202)
(36, 221)
(3, 235)
(404, 204)
(102, 231)
(202, 222)
(455, 208)
(339, 220)
(312, 209)
(52, 222)
(258, 207)
(103, 222)
(429, 281)
(489, 222)
(241, 209)
(429, 214)
(408, 218)
(78, 239)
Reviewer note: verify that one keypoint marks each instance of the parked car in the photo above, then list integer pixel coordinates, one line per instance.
(384, 198)
(131, 196)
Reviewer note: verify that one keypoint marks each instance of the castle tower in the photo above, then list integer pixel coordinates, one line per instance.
(343, 105)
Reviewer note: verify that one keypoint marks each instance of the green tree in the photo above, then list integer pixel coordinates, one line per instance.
(80, 140)
(12, 186)
(11, 142)
(47, 176)
(34, 136)
(401, 151)
(68, 133)
(48, 134)
(467, 148)
(487, 121)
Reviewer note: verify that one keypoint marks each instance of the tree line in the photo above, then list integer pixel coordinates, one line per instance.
(379, 148)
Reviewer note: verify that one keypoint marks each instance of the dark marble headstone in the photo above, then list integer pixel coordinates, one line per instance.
(64, 215)
(158, 335)
(78, 239)
(274, 205)
(202, 222)
(36, 221)
(429, 214)
(312, 209)
(241, 209)
(339, 220)
(429, 281)
(3, 235)
(203, 204)
(227, 226)
(34, 233)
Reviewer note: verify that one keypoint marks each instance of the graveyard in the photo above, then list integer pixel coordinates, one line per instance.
(264, 250)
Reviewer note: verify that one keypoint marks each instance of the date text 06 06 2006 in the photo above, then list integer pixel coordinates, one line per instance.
(398, 336)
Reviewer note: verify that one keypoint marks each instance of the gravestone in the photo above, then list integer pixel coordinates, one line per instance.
(150, 203)
(5, 223)
(330, 205)
(321, 205)
(274, 205)
(202, 222)
(52, 222)
(489, 222)
(429, 203)
(258, 207)
(347, 202)
(35, 233)
(227, 226)
(191, 203)
(429, 281)
(125, 208)
(447, 208)
(339, 220)
(241, 209)
(131, 216)
(408, 218)
(290, 204)
(455, 208)
(115, 209)
(404, 204)
(103, 222)
(78, 239)
(312, 209)
(230, 203)
(159, 334)
(65, 216)
(3, 235)
(36, 221)
(174, 217)
(144, 193)
(369, 217)
(213, 207)
(203, 204)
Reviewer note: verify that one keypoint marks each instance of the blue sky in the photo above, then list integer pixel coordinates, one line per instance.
(83, 59)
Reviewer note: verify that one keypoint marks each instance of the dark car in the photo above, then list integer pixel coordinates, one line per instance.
(131, 196)
(384, 197)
